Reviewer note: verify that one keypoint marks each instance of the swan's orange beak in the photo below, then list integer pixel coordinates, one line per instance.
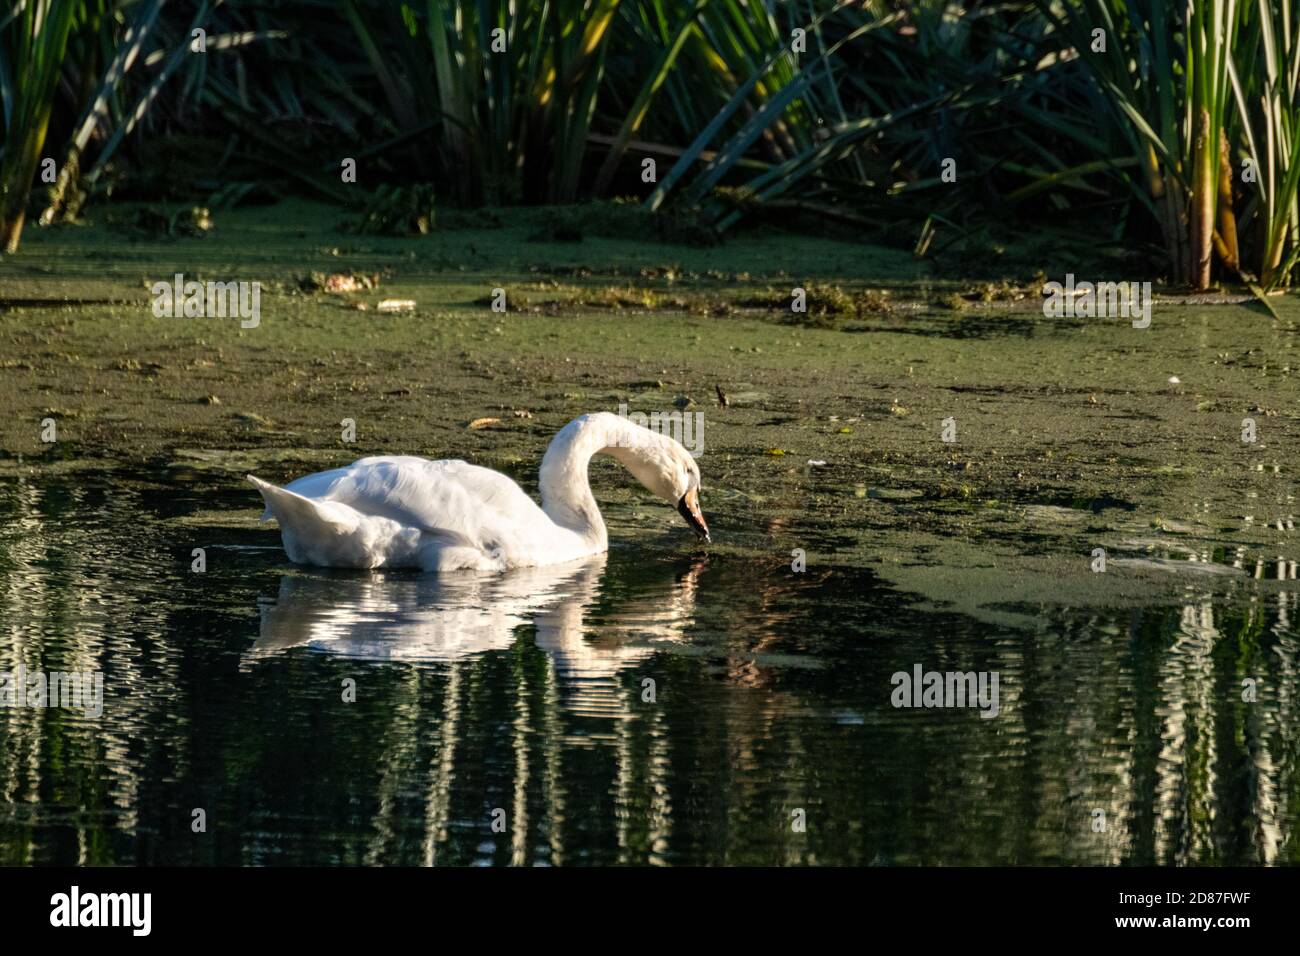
(689, 508)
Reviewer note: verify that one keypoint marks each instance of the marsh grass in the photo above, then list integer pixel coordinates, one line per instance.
(33, 41)
(851, 128)
(1191, 92)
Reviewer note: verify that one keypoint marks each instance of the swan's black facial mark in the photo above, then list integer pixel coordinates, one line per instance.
(689, 508)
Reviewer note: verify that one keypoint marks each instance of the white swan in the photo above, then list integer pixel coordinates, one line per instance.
(406, 512)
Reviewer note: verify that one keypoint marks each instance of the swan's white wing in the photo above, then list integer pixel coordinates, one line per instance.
(315, 486)
(484, 508)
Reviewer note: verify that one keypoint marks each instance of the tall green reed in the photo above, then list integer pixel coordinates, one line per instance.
(33, 41)
(1205, 95)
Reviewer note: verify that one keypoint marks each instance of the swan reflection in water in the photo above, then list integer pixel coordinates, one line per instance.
(590, 627)
(420, 618)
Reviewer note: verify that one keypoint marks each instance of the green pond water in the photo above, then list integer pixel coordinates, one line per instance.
(671, 702)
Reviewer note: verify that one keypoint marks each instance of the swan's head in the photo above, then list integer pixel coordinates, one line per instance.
(667, 469)
(686, 492)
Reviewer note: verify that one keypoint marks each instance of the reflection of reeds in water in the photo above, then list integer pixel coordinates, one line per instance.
(65, 609)
(1206, 725)
(1096, 770)
(586, 670)
(20, 757)
(519, 812)
(442, 768)
(578, 699)
(525, 694)
(1186, 770)
(553, 792)
(1149, 742)
(394, 767)
(1269, 780)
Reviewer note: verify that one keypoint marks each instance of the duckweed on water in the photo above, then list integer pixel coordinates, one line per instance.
(80, 344)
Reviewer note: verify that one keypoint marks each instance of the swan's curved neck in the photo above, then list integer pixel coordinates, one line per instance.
(566, 491)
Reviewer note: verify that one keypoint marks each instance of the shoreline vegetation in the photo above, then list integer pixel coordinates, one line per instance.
(1163, 130)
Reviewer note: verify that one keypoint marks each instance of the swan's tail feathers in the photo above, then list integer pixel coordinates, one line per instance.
(265, 487)
(295, 512)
